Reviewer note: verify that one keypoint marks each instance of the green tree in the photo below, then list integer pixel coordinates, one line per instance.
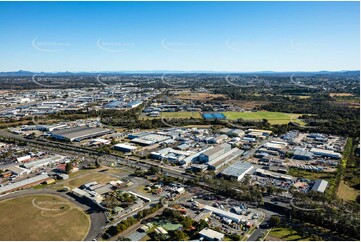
(275, 221)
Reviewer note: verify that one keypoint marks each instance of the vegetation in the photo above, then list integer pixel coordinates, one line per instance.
(27, 222)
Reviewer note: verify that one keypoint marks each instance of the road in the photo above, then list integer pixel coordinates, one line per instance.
(97, 217)
(263, 227)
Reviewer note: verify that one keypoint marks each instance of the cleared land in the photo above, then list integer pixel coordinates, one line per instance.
(198, 96)
(272, 117)
(99, 177)
(42, 217)
(285, 234)
(340, 94)
(346, 192)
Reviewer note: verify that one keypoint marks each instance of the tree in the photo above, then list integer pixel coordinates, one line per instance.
(153, 170)
(68, 167)
(179, 235)
(275, 221)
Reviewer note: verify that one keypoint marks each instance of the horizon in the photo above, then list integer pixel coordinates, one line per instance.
(242, 37)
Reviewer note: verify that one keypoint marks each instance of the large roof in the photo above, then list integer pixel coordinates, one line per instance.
(23, 183)
(237, 169)
(80, 132)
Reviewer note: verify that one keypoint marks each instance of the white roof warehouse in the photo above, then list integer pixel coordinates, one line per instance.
(79, 133)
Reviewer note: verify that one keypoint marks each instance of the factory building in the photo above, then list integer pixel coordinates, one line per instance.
(134, 104)
(320, 186)
(79, 133)
(124, 147)
(224, 159)
(302, 155)
(213, 153)
(237, 171)
(326, 153)
(224, 214)
(24, 183)
(44, 162)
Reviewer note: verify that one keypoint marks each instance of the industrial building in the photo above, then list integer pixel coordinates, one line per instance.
(44, 162)
(210, 235)
(24, 183)
(320, 186)
(124, 147)
(302, 154)
(134, 104)
(326, 153)
(224, 159)
(150, 139)
(237, 170)
(224, 214)
(213, 153)
(79, 133)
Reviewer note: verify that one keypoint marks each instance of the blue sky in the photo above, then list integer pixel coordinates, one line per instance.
(189, 36)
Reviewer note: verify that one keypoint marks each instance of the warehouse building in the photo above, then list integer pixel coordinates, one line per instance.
(44, 162)
(134, 104)
(237, 170)
(302, 155)
(79, 133)
(326, 153)
(124, 147)
(224, 159)
(320, 186)
(224, 214)
(150, 139)
(213, 153)
(210, 235)
(24, 183)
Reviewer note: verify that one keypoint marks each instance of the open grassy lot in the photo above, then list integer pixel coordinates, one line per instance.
(169, 115)
(99, 177)
(346, 192)
(272, 117)
(285, 234)
(42, 217)
(311, 175)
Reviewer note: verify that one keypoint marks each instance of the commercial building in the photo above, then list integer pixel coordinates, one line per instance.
(222, 213)
(237, 170)
(24, 183)
(326, 153)
(210, 235)
(124, 147)
(320, 186)
(79, 133)
(213, 153)
(224, 159)
(134, 104)
(302, 155)
(150, 139)
(44, 162)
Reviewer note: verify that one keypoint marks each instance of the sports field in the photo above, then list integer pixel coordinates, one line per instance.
(42, 217)
(272, 117)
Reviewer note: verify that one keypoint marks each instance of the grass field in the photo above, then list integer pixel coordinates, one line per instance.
(42, 217)
(272, 117)
(346, 192)
(285, 234)
(169, 115)
(82, 179)
(311, 175)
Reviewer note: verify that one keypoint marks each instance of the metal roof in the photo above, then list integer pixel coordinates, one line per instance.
(23, 183)
(237, 169)
(80, 132)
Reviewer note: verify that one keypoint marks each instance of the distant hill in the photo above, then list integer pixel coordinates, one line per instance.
(22, 73)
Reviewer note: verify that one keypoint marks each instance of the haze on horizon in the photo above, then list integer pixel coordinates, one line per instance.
(179, 36)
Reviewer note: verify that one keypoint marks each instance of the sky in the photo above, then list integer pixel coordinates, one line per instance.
(179, 36)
